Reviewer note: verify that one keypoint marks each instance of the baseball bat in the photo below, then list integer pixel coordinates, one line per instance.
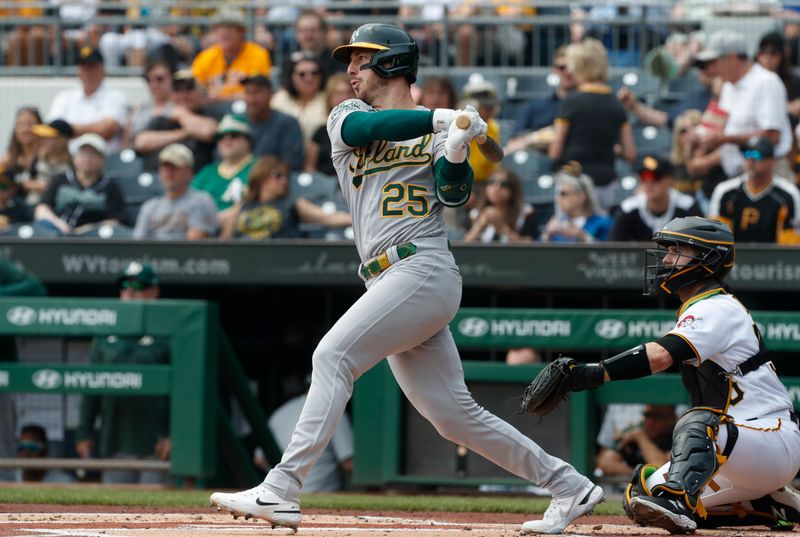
(487, 145)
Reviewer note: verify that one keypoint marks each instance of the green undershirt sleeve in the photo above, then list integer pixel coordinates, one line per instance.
(453, 182)
(361, 128)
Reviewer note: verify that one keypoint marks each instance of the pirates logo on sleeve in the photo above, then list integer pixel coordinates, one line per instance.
(689, 321)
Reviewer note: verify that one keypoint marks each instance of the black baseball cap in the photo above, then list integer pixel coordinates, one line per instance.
(88, 55)
(139, 272)
(654, 167)
(258, 80)
(758, 148)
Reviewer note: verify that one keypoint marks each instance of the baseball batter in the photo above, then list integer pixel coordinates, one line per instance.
(398, 165)
(736, 450)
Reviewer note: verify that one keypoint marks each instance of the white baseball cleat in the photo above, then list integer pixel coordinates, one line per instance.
(259, 502)
(562, 511)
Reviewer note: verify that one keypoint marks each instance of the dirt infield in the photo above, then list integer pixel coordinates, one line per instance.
(92, 521)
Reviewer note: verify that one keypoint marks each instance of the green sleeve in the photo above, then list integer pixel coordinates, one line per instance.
(15, 282)
(361, 128)
(453, 182)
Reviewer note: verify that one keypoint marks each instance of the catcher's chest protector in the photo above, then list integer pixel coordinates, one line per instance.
(708, 385)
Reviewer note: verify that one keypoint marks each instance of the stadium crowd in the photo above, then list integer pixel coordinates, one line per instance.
(230, 145)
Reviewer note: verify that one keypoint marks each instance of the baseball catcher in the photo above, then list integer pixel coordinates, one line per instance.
(736, 450)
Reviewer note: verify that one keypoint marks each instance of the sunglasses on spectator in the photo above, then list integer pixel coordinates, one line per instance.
(307, 74)
(752, 154)
(136, 285)
(502, 183)
(564, 193)
(30, 446)
(234, 135)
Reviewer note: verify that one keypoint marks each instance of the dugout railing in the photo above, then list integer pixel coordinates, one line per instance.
(202, 380)
(381, 413)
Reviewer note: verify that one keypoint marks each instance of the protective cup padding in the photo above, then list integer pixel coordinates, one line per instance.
(694, 453)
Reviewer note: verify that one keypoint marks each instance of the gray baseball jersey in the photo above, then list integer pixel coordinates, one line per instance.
(389, 186)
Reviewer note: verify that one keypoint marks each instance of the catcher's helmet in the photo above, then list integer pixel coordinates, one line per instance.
(715, 248)
(396, 52)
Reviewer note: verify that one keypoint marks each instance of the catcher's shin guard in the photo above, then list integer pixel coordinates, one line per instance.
(694, 459)
(637, 486)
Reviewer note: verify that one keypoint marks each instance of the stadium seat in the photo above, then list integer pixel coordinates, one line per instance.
(528, 164)
(650, 139)
(316, 187)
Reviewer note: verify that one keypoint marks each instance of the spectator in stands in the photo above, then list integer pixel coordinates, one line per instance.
(77, 201)
(182, 212)
(508, 43)
(93, 107)
(437, 92)
(269, 210)
(33, 444)
(158, 75)
(772, 54)
(332, 471)
(697, 99)
(13, 282)
(301, 94)
(482, 95)
(26, 44)
(656, 203)
(133, 42)
(318, 151)
(648, 443)
(23, 143)
(578, 216)
(13, 209)
(132, 427)
(274, 133)
(501, 213)
(52, 158)
(221, 67)
(310, 30)
(591, 121)
(541, 113)
(759, 205)
(226, 180)
(191, 122)
(754, 99)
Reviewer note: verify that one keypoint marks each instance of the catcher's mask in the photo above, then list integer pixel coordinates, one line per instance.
(396, 52)
(714, 253)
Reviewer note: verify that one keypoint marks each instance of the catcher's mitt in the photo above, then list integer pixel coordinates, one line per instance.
(551, 386)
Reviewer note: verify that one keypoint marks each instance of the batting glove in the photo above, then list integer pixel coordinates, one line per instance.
(442, 119)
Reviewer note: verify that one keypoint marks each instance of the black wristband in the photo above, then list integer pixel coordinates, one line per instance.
(586, 377)
(631, 364)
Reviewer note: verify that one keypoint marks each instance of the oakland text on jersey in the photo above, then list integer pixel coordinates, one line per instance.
(388, 157)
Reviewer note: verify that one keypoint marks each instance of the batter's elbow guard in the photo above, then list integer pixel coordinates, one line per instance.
(453, 192)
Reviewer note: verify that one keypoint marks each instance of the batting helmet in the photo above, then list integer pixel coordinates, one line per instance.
(715, 248)
(396, 52)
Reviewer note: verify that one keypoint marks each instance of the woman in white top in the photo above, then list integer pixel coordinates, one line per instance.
(301, 95)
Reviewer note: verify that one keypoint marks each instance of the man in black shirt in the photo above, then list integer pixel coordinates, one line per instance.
(758, 205)
(657, 203)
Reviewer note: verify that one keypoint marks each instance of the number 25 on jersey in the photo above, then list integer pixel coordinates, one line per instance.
(399, 200)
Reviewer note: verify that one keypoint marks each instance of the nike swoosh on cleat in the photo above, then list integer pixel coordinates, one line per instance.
(586, 498)
(259, 502)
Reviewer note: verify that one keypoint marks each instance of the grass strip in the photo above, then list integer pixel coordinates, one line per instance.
(346, 501)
